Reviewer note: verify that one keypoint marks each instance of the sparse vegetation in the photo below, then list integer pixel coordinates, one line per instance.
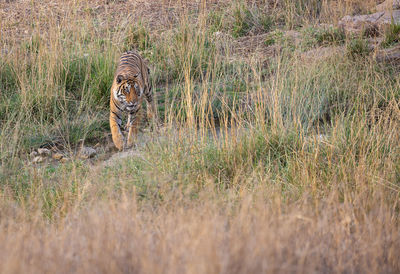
(325, 36)
(265, 161)
(242, 21)
(138, 38)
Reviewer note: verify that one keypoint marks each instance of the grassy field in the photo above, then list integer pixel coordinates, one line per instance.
(271, 157)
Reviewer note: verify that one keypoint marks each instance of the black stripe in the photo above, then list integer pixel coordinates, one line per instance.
(126, 58)
(149, 90)
(116, 104)
(119, 117)
(126, 63)
(130, 56)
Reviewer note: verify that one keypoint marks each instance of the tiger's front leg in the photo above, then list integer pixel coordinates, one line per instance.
(115, 126)
(132, 126)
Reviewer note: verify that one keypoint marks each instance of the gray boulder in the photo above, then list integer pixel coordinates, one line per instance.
(377, 21)
(87, 152)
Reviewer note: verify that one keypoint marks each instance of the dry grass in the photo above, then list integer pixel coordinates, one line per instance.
(266, 161)
(251, 235)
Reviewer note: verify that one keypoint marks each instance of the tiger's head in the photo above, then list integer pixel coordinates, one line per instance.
(128, 91)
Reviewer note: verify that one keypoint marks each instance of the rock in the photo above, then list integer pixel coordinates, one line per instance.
(38, 159)
(33, 154)
(110, 147)
(87, 152)
(370, 23)
(44, 152)
(389, 55)
(388, 5)
(57, 156)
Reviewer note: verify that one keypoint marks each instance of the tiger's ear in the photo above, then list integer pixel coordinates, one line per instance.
(119, 79)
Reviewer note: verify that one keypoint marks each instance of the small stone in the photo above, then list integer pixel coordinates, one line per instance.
(33, 154)
(87, 152)
(44, 152)
(57, 156)
(37, 159)
(110, 147)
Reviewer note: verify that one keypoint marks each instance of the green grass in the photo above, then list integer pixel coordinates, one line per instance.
(392, 36)
(216, 21)
(243, 21)
(325, 36)
(357, 48)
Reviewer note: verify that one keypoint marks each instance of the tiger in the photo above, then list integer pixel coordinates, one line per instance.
(131, 83)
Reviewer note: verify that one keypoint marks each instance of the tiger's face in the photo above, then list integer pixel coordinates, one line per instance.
(128, 91)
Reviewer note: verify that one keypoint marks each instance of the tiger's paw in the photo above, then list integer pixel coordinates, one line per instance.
(119, 143)
(129, 144)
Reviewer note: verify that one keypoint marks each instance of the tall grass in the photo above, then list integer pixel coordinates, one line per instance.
(284, 165)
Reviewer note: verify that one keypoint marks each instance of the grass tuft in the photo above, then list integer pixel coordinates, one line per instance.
(392, 36)
(358, 48)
